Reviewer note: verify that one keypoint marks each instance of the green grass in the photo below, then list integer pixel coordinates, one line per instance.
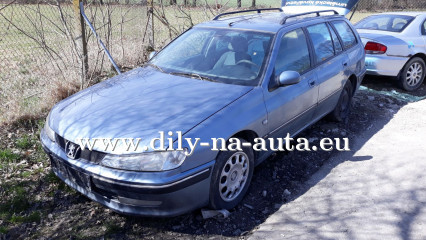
(24, 142)
(4, 229)
(112, 228)
(7, 156)
(25, 174)
(32, 217)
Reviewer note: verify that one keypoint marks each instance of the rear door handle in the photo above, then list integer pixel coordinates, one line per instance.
(345, 64)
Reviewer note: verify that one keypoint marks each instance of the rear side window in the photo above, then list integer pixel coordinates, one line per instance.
(321, 39)
(337, 45)
(346, 34)
(293, 54)
(424, 28)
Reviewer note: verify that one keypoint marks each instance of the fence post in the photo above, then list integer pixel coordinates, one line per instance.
(151, 25)
(81, 43)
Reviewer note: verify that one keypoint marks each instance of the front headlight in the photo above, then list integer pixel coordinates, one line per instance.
(152, 161)
(49, 132)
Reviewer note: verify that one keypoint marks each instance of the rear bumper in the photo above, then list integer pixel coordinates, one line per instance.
(383, 65)
(144, 194)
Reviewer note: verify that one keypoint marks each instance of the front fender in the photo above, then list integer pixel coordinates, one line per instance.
(246, 113)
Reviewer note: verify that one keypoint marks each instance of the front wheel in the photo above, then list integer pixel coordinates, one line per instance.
(343, 107)
(413, 74)
(231, 178)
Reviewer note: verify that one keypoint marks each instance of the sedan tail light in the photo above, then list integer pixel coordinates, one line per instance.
(375, 48)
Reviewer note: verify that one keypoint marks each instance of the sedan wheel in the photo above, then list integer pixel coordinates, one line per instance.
(413, 74)
(231, 177)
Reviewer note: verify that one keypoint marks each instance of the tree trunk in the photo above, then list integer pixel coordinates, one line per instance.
(253, 3)
(172, 2)
(194, 3)
(239, 3)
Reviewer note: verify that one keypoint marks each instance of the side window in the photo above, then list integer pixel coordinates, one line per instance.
(293, 54)
(337, 45)
(424, 28)
(322, 42)
(346, 34)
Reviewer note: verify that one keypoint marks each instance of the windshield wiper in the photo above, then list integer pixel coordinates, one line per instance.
(155, 66)
(193, 75)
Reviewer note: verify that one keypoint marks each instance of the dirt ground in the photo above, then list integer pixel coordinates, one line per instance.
(35, 204)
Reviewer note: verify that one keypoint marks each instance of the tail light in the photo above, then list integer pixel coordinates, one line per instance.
(375, 48)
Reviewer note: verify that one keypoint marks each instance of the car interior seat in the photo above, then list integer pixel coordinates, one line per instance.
(237, 51)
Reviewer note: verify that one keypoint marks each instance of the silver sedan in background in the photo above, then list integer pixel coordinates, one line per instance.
(395, 45)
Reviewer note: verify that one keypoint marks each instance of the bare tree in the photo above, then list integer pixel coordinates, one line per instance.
(239, 3)
(253, 3)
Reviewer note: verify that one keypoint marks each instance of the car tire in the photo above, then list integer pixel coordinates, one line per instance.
(231, 177)
(413, 74)
(343, 107)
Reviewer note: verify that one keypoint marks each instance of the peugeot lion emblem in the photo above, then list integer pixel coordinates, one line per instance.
(72, 150)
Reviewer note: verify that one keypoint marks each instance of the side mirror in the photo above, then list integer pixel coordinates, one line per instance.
(288, 78)
(152, 54)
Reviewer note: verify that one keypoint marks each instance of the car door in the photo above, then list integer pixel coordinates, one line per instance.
(330, 60)
(290, 108)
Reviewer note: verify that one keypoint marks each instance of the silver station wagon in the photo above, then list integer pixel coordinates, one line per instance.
(265, 74)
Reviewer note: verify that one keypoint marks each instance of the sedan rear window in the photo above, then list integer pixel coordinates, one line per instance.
(390, 23)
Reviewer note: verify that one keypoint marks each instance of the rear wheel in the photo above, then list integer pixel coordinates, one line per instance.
(231, 178)
(413, 74)
(342, 110)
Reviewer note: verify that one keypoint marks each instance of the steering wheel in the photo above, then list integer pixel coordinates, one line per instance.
(248, 62)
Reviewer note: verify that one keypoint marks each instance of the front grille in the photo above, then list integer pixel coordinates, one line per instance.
(86, 154)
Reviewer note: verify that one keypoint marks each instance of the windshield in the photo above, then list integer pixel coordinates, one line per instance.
(390, 23)
(222, 55)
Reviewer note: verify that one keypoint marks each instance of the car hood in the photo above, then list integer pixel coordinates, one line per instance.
(139, 104)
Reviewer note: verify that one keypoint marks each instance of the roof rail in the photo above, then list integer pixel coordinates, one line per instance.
(244, 11)
(307, 13)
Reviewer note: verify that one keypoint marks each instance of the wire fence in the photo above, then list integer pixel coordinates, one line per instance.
(41, 61)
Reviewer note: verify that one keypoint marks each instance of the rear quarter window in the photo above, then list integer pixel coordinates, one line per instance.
(346, 34)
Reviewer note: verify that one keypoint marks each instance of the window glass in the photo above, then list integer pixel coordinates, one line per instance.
(382, 22)
(345, 33)
(224, 55)
(424, 28)
(293, 54)
(322, 41)
(337, 45)
(398, 24)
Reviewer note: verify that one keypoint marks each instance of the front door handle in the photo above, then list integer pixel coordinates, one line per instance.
(345, 64)
(311, 83)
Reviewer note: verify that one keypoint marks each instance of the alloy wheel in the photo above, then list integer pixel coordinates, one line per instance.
(414, 74)
(234, 176)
